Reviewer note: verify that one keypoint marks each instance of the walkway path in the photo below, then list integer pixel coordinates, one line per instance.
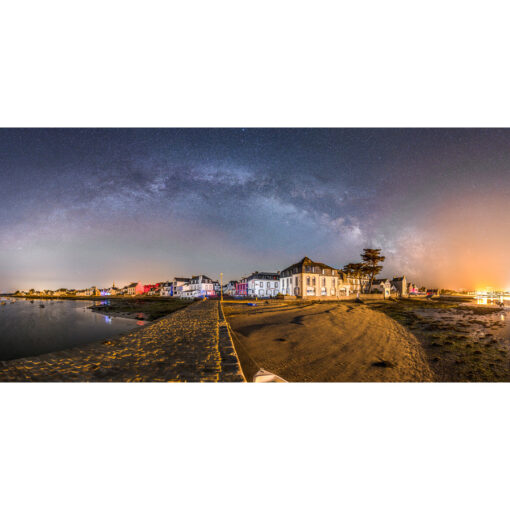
(188, 345)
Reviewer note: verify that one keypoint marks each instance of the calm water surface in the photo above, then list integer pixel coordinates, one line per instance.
(27, 329)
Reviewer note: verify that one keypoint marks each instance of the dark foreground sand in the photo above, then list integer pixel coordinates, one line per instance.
(325, 342)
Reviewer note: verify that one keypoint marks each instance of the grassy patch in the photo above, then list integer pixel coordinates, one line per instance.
(449, 338)
(152, 309)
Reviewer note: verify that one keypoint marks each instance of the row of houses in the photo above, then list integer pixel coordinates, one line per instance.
(302, 279)
(308, 278)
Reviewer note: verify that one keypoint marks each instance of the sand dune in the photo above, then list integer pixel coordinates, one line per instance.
(326, 342)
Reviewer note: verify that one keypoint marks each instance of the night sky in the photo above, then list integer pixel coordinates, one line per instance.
(82, 207)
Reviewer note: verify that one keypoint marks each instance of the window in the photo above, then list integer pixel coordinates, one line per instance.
(307, 269)
(308, 280)
(313, 280)
(268, 285)
(296, 281)
(323, 271)
(324, 282)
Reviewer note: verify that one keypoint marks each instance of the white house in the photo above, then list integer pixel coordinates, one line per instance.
(199, 286)
(166, 289)
(262, 284)
(179, 286)
(382, 286)
(307, 278)
(230, 288)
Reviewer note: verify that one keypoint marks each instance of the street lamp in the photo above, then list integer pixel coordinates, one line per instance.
(221, 286)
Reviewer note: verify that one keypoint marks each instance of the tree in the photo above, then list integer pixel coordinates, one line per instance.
(371, 261)
(355, 270)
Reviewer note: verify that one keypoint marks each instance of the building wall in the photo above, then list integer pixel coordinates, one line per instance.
(263, 288)
(313, 285)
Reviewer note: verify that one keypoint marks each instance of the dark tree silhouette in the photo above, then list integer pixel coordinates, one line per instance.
(371, 261)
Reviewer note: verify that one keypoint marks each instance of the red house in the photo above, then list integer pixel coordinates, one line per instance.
(241, 289)
(149, 287)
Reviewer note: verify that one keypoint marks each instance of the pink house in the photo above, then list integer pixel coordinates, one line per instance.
(134, 289)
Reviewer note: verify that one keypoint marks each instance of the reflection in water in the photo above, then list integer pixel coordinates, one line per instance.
(27, 330)
(500, 300)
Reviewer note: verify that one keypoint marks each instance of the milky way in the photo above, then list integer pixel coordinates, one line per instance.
(80, 207)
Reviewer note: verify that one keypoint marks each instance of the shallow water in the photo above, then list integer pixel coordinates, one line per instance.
(497, 323)
(28, 329)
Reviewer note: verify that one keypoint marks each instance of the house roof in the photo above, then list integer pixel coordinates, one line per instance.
(204, 277)
(398, 278)
(262, 276)
(305, 261)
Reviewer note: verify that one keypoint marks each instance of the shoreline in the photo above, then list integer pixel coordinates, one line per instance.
(94, 298)
(181, 347)
(463, 342)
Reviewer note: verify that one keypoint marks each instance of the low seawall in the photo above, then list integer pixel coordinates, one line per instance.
(186, 346)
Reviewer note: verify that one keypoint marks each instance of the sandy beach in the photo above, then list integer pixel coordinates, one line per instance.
(325, 342)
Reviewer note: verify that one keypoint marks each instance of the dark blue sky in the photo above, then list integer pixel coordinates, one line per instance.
(80, 207)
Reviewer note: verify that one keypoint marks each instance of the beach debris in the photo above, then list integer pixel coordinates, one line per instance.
(383, 364)
(264, 376)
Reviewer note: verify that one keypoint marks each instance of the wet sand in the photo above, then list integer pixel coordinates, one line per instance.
(325, 342)
(463, 342)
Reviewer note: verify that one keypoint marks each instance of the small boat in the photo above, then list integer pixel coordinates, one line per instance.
(263, 376)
